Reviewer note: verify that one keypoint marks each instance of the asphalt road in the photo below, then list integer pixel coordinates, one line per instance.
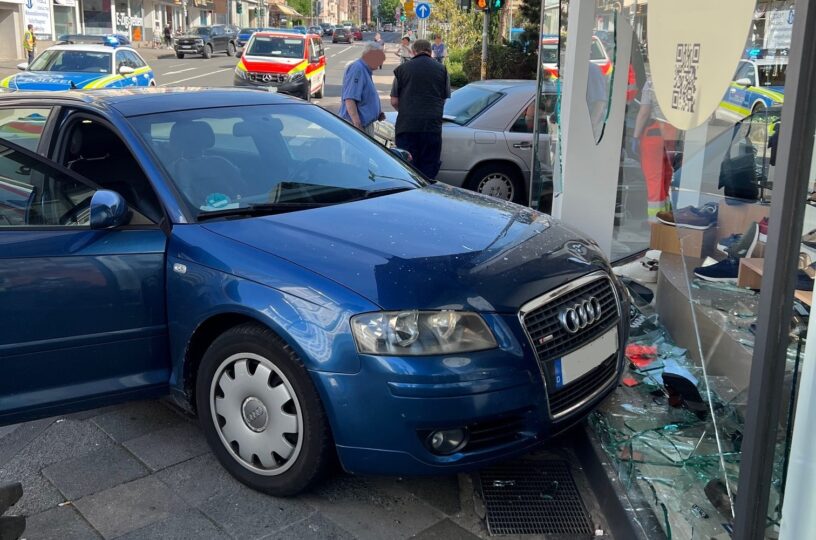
(218, 70)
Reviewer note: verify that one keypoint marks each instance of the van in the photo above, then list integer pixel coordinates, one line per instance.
(284, 62)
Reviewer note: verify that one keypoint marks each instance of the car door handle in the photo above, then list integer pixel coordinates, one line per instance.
(523, 145)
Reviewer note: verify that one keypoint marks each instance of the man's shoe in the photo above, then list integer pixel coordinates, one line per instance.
(641, 327)
(803, 281)
(691, 218)
(12, 527)
(725, 244)
(810, 239)
(666, 217)
(747, 244)
(726, 270)
(763, 230)
(9, 495)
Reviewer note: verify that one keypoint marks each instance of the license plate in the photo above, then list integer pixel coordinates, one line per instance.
(578, 363)
(273, 89)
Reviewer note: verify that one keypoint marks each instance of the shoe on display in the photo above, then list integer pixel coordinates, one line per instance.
(810, 239)
(725, 270)
(724, 244)
(691, 218)
(763, 230)
(641, 327)
(746, 245)
(803, 281)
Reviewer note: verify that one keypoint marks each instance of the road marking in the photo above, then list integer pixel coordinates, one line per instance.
(179, 71)
(197, 76)
(177, 65)
(341, 52)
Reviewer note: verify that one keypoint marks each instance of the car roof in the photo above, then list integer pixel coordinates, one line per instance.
(504, 84)
(140, 101)
(279, 33)
(89, 47)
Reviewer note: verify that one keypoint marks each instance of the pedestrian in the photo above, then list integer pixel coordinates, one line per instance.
(440, 51)
(30, 43)
(404, 52)
(378, 40)
(418, 93)
(650, 146)
(157, 36)
(360, 102)
(168, 36)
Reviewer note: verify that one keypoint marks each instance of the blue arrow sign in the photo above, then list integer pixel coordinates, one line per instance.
(423, 11)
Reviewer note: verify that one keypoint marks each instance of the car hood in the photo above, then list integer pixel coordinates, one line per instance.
(49, 80)
(437, 247)
(265, 64)
(193, 36)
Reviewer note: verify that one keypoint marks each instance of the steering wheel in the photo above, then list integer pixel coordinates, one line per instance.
(72, 215)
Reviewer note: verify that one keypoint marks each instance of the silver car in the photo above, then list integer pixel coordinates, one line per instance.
(487, 138)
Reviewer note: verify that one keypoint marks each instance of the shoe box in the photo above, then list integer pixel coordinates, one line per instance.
(695, 242)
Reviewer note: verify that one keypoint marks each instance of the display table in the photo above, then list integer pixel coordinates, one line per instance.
(750, 275)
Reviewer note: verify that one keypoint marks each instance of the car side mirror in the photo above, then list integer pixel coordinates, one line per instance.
(403, 154)
(22, 66)
(126, 70)
(745, 81)
(314, 60)
(108, 210)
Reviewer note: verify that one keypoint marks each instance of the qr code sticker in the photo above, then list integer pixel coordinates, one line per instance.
(686, 62)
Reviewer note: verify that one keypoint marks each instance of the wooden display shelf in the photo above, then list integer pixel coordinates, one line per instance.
(750, 276)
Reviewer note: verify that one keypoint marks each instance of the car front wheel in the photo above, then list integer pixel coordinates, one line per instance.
(261, 413)
(179, 55)
(230, 49)
(498, 180)
(208, 51)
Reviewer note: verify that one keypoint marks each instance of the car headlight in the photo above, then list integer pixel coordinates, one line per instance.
(295, 77)
(199, 42)
(240, 73)
(408, 333)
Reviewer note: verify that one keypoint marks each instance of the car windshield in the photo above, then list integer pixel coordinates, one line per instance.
(597, 51)
(468, 102)
(72, 61)
(279, 47)
(239, 158)
(549, 53)
(772, 75)
(202, 30)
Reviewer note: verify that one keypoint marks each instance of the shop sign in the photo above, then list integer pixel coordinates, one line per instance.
(778, 28)
(38, 13)
(126, 21)
(693, 55)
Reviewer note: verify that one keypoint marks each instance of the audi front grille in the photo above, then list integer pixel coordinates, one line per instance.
(564, 320)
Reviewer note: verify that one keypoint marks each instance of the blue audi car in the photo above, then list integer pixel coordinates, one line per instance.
(297, 286)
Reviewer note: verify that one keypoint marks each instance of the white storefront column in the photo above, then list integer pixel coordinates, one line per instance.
(590, 171)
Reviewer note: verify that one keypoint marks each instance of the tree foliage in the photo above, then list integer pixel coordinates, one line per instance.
(458, 28)
(386, 10)
(301, 6)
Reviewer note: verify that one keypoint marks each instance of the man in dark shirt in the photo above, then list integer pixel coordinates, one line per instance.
(418, 93)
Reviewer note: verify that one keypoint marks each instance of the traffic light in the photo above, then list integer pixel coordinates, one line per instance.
(492, 6)
(482, 5)
(239, 8)
(496, 5)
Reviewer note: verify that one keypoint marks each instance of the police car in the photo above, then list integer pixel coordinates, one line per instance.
(82, 66)
(758, 84)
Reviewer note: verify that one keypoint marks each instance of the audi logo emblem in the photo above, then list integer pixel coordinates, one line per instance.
(578, 316)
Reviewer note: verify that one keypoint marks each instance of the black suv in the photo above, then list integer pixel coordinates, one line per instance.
(206, 40)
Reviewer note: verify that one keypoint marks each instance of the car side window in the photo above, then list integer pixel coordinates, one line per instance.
(135, 61)
(120, 60)
(526, 119)
(216, 31)
(33, 193)
(23, 126)
(746, 71)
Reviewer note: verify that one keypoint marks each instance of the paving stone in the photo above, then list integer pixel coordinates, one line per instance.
(62, 523)
(52, 440)
(131, 506)
(441, 492)
(188, 525)
(6, 430)
(38, 493)
(88, 474)
(316, 527)
(358, 505)
(161, 449)
(20, 436)
(445, 530)
(136, 419)
(199, 479)
(248, 514)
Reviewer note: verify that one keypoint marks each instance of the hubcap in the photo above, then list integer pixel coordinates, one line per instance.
(256, 413)
(497, 185)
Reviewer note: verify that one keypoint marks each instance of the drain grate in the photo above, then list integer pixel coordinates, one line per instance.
(533, 497)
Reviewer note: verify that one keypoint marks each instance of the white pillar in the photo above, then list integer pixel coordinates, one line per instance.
(590, 171)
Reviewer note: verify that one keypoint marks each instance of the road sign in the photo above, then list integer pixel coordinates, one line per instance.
(409, 7)
(423, 10)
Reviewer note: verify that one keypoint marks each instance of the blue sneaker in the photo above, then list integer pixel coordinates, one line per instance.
(724, 244)
(725, 270)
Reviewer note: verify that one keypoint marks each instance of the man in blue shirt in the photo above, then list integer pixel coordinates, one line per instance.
(360, 102)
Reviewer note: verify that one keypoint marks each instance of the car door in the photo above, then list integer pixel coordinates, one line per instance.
(317, 63)
(219, 39)
(142, 74)
(83, 322)
(519, 136)
(736, 100)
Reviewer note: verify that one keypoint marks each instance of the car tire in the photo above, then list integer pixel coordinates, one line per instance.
(319, 93)
(500, 180)
(231, 49)
(274, 381)
(179, 55)
(208, 52)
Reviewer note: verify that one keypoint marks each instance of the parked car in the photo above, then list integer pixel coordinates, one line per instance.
(72, 67)
(758, 84)
(315, 30)
(289, 63)
(299, 29)
(243, 36)
(236, 250)
(341, 35)
(357, 33)
(388, 27)
(328, 30)
(487, 137)
(206, 40)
